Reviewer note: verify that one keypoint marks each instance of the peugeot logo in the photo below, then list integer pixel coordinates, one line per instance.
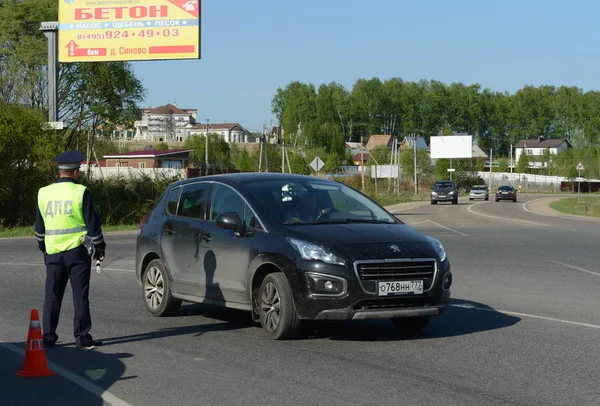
(395, 248)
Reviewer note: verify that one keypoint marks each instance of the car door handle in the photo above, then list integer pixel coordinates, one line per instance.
(205, 236)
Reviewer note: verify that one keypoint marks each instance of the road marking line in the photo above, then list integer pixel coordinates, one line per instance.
(414, 224)
(448, 228)
(74, 378)
(470, 209)
(532, 316)
(576, 268)
(42, 264)
(560, 216)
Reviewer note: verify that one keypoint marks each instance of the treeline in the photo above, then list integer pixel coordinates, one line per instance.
(327, 116)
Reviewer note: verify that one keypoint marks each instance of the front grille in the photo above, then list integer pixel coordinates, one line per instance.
(371, 272)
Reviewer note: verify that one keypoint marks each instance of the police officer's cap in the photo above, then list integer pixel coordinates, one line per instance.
(69, 160)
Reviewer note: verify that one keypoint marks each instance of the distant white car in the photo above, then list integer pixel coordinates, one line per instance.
(479, 192)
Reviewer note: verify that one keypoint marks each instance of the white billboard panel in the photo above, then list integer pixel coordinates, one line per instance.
(451, 146)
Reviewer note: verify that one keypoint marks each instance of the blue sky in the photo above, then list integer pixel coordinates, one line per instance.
(249, 48)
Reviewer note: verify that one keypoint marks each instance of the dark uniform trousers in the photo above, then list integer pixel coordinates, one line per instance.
(73, 265)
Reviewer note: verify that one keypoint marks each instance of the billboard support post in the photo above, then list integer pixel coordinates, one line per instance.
(50, 30)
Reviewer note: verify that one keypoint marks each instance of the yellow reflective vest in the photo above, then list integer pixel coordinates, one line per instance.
(61, 207)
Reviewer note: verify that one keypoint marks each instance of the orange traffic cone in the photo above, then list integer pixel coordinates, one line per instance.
(35, 363)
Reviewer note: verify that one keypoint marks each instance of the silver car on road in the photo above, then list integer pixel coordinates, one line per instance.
(479, 192)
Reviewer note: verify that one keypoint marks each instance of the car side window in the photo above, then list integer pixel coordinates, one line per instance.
(193, 200)
(226, 200)
(251, 219)
(173, 200)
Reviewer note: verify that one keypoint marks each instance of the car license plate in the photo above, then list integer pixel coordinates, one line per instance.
(442, 196)
(400, 288)
(504, 193)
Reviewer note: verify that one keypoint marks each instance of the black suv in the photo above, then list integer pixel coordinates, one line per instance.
(287, 248)
(444, 191)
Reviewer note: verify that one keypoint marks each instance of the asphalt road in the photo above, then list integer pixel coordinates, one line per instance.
(524, 329)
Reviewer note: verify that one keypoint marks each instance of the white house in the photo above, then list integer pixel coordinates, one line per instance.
(536, 147)
(230, 132)
(165, 123)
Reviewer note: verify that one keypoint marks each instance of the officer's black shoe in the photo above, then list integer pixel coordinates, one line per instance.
(89, 345)
(49, 344)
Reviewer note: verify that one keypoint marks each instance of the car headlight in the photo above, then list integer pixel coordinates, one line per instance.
(439, 248)
(312, 251)
(451, 193)
(434, 193)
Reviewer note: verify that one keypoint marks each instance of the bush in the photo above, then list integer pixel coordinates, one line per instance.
(124, 200)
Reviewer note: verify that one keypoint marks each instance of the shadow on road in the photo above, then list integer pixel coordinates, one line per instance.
(461, 318)
(225, 320)
(95, 367)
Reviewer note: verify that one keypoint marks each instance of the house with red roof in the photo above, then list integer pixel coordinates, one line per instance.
(150, 158)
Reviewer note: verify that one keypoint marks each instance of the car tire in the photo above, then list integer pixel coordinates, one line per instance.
(433, 202)
(514, 200)
(487, 198)
(411, 325)
(277, 310)
(470, 198)
(497, 200)
(156, 290)
(455, 201)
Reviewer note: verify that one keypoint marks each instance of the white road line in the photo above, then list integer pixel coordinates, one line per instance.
(42, 264)
(448, 228)
(470, 209)
(555, 215)
(531, 316)
(74, 378)
(576, 268)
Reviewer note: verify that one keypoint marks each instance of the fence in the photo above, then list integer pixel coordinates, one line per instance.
(528, 181)
(153, 173)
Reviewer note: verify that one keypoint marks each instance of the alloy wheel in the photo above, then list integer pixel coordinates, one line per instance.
(270, 305)
(154, 287)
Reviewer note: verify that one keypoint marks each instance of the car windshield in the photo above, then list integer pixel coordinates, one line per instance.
(300, 201)
(444, 185)
(508, 188)
(478, 188)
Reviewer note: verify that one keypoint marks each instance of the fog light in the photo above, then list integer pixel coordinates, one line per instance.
(327, 285)
(447, 281)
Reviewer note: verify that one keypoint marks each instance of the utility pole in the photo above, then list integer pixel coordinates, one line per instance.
(50, 30)
(282, 156)
(362, 165)
(512, 182)
(491, 166)
(206, 147)
(414, 140)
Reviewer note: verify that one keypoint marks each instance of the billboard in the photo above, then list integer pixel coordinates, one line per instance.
(128, 30)
(451, 146)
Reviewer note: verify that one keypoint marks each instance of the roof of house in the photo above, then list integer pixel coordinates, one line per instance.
(148, 153)
(378, 140)
(220, 126)
(478, 152)
(541, 143)
(421, 143)
(169, 109)
(101, 162)
(353, 145)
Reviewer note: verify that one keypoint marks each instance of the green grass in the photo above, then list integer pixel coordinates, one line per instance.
(389, 200)
(28, 231)
(587, 206)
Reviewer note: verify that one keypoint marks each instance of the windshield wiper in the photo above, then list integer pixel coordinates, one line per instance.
(347, 221)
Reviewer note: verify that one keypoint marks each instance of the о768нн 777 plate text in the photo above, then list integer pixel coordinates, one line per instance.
(400, 287)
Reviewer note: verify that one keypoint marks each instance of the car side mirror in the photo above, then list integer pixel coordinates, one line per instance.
(231, 221)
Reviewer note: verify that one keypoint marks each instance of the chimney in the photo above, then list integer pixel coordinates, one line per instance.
(541, 138)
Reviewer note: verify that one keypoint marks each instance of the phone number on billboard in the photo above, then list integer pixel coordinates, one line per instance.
(167, 32)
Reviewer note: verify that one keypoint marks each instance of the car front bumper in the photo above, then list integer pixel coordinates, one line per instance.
(443, 198)
(359, 304)
(478, 196)
(506, 197)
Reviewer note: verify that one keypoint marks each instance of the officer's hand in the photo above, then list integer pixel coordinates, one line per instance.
(99, 255)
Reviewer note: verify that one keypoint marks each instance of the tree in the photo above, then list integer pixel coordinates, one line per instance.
(218, 152)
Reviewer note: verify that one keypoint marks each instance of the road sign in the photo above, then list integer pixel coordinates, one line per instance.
(317, 164)
(451, 170)
(126, 30)
(54, 125)
(580, 166)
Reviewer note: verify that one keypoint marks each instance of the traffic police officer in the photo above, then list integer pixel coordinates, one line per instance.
(66, 214)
